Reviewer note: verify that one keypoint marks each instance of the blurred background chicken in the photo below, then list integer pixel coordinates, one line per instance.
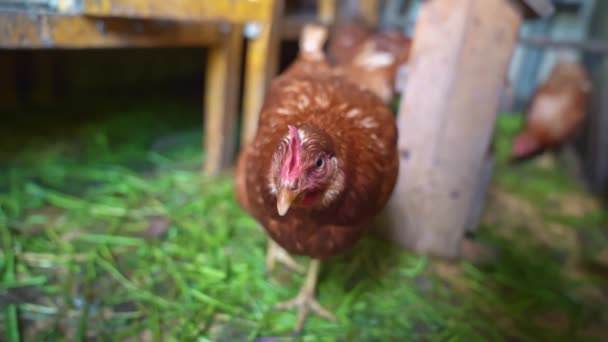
(322, 164)
(345, 39)
(370, 59)
(557, 109)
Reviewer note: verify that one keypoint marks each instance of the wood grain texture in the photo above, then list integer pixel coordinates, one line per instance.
(261, 65)
(459, 59)
(221, 99)
(186, 10)
(74, 32)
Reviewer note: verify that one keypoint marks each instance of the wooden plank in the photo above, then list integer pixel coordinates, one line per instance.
(533, 9)
(480, 192)
(221, 98)
(594, 141)
(369, 11)
(326, 11)
(54, 31)
(261, 66)
(189, 10)
(459, 60)
(587, 46)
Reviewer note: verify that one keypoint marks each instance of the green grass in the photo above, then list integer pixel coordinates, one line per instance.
(111, 231)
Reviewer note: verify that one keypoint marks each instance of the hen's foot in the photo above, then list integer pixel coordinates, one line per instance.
(276, 254)
(305, 301)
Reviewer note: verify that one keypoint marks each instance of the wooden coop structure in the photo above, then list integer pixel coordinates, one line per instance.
(459, 60)
(219, 25)
(456, 72)
(226, 27)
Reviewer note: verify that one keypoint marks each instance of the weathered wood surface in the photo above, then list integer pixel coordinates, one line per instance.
(186, 10)
(221, 100)
(594, 142)
(117, 23)
(261, 65)
(599, 46)
(20, 30)
(534, 8)
(326, 11)
(370, 10)
(457, 68)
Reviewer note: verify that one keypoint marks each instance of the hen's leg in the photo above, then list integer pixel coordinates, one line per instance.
(305, 301)
(275, 254)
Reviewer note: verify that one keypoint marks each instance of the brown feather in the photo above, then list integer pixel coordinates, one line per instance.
(373, 62)
(360, 131)
(559, 105)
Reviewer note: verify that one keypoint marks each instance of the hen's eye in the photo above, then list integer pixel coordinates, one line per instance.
(319, 162)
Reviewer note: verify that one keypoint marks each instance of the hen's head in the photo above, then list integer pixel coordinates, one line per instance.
(305, 171)
(524, 145)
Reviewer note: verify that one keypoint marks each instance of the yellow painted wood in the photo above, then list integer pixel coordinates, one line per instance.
(261, 66)
(369, 10)
(204, 10)
(326, 11)
(221, 98)
(54, 31)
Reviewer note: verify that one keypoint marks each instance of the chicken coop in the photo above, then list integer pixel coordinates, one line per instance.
(125, 214)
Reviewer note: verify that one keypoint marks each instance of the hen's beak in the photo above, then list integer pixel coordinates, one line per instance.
(285, 198)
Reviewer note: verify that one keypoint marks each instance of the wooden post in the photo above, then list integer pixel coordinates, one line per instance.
(595, 139)
(221, 100)
(261, 66)
(326, 11)
(459, 60)
(369, 11)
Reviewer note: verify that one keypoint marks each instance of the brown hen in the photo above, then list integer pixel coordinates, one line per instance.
(344, 41)
(323, 163)
(557, 109)
(374, 59)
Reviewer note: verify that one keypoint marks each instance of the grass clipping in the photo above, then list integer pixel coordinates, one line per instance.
(129, 242)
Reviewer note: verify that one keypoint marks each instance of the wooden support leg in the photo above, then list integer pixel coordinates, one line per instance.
(460, 56)
(369, 10)
(221, 100)
(261, 66)
(326, 11)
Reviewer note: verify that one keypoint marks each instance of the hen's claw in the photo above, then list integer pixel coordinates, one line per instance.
(305, 301)
(276, 254)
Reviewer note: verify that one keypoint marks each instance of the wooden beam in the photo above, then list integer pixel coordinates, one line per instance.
(55, 31)
(221, 100)
(456, 71)
(370, 11)
(261, 66)
(594, 142)
(587, 46)
(189, 10)
(533, 9)
(292, 25)
(326, 11)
